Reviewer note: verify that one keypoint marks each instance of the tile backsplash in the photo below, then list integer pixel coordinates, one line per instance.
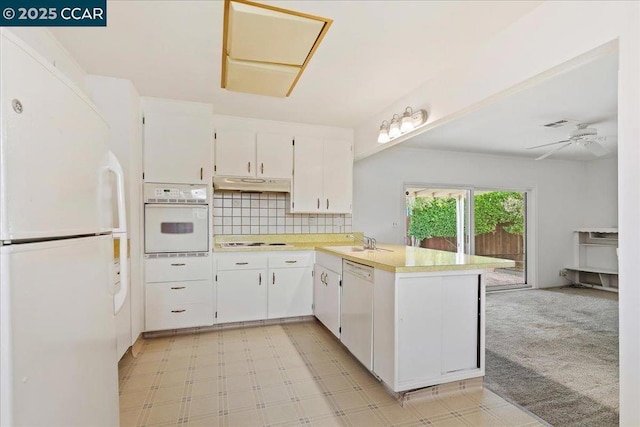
(266, 213)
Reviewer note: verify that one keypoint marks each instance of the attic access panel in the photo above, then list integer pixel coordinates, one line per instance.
(266, 49)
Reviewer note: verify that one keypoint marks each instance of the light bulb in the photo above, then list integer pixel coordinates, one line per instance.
(394, 128)
(406, 124)
(383, 136)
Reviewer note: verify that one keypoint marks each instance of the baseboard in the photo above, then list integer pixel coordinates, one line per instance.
(137, 346)
(440, 390)
(224, 326)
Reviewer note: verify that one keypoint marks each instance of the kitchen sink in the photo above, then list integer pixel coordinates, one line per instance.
(361, 249)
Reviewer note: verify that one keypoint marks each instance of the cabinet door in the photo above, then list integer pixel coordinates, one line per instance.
(326, 298)
(290, 292)
(337, 177)
(460, 296)
(307, 175)
(419, 328)
(177, 141)
(241, 295)
(274, 155)
(235, 153)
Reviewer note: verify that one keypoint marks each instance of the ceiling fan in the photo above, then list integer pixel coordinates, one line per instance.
(582, 136)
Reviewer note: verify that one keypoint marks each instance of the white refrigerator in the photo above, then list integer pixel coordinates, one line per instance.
(58, 292)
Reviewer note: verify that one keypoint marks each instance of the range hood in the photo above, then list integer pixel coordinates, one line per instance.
(252, 184)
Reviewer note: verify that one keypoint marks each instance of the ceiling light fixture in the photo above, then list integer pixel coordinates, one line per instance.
(409, 121)
(394, 128)
(265, 49)
(383, 136)
(406, 124)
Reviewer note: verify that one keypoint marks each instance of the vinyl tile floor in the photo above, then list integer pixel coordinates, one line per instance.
(286, 374)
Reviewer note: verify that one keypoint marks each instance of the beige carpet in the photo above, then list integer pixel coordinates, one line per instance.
(555, 352)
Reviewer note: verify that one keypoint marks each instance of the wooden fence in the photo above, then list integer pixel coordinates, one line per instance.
(498, 244)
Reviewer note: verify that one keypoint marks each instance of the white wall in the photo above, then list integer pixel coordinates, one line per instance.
(552, 36)
(601, 201)
(558, 194)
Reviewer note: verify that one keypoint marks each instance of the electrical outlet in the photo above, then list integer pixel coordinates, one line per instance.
(394, 224)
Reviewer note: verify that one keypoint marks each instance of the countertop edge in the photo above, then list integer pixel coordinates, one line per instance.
(495, 263)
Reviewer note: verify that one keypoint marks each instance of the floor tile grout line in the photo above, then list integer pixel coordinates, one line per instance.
(302, 346)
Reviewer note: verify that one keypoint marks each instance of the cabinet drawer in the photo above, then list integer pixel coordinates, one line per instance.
(160, 317)
(241, 262)
(179, 293)
(177, 269)
(291, 259)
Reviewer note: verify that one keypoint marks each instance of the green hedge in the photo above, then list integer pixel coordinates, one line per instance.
(437, 217)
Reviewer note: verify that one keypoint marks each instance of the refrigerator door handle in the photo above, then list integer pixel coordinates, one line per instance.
(121, 233)
(116, 168)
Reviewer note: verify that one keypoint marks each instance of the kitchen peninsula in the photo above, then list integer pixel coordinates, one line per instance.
(422, 321)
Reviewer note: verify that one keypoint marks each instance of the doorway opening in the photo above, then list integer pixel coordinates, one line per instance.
(476, 221)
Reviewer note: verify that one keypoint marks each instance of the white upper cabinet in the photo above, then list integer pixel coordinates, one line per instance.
(177, 141)
(274, 155)
(307, 175)
(245, 154)
(323, 176)
(338, 176)
(235, 153)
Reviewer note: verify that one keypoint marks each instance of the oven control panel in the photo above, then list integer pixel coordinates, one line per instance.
(167, 192)
(175, 193)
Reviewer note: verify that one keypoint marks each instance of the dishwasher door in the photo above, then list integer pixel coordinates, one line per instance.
(357, 311)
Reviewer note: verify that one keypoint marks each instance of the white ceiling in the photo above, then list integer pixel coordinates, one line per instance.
(374, 53)
(587, 94)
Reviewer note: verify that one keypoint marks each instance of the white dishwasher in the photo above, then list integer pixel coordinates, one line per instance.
(357, 311)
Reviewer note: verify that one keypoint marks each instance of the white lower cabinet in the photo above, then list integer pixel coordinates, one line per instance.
(178, 293)
(265, 285)
(326, 291)
(290, 292)
(241, 295)
(426, 328)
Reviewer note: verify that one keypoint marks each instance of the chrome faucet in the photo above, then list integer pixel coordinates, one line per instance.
(368, 243)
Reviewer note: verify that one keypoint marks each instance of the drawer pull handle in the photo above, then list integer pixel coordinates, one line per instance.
(249, 167)
(260, 279)
(242, 263)
(274, 279)
(327, 203)
(262, 168)
(291, 262)
(178, 287)
(178, 311)
(179, 265)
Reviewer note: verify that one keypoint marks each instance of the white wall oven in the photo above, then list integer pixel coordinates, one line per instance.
(176, 220)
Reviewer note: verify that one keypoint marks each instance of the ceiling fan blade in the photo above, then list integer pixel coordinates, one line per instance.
(546, 145)
(558, 148)
(595, 148)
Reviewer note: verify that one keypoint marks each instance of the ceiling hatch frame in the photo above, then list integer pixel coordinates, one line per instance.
(258, 66)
